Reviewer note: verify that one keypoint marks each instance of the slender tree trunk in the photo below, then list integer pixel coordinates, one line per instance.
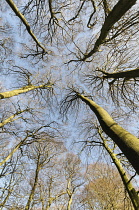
(25, 89)
(126, 181)
(31, 196)
(13, 151)
(70, 194)
(69, 202)
(128, 143)
(42, 197)
(25, 22)
(10, 190)
(11, 118)
(2, 205)
(50, 199)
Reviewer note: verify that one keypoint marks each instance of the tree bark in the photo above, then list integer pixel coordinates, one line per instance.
(128, 143)
(122, 74)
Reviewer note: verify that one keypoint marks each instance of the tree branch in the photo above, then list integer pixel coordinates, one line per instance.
(25, 89)
(11, 118)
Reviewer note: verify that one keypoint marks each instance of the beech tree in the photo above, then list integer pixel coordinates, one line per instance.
(88, 48)
(128, 143)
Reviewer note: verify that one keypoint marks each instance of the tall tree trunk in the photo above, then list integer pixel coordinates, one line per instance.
(128, 143)
(25, 22)
(31, 196)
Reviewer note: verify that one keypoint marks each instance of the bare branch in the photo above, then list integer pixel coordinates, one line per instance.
(12, 117)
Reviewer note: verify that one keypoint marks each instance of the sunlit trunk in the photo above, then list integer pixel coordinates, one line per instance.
(13, 151)
(11, 118)
(31, 196)
(25, 89)
(128, 143)
(25, 22)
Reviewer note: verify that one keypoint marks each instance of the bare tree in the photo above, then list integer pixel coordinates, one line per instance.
(127, 142)
(126, 181)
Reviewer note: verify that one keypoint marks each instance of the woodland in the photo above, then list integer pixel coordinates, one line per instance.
(69, 93)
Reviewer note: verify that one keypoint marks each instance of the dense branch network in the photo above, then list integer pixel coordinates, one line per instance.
(123, 84)
(126, 181)
(66, 22)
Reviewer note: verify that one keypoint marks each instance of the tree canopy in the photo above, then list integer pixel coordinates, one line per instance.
(69, 98)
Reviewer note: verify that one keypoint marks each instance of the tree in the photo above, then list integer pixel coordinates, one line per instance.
(42, 155)
(73, 176)
(127, 142)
